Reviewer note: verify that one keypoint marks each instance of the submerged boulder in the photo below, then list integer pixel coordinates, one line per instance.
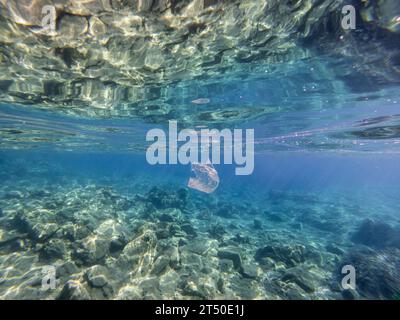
(249, 270)
(160, 265)
(42, 231)
(377, 235)
(301, 277)
(74, 290)
(233, 254)
(91, 250)
(97, 276)
(216, 231)
(329, 223)
(170, 215)
(66, 269)
(291, 255)
(189, 229)
(129, 292)
(39, 224)
(53, 249)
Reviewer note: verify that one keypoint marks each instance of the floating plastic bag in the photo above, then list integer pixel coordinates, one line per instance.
(205, 178)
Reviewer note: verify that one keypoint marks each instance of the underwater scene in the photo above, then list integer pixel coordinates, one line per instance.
(200, 149)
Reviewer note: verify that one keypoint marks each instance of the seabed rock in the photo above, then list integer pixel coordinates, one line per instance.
(160, 265)
(91, 250)
(150, 288)
(75, 232)
(226, 265)
(244, 288)
(74, 290)
(196, 290)
(232, 254)
(97, 276)
(249, 270)
(301, 277)
(42, 232)
(66, 269)
(291, 255)
(323, 223)
(53, 249)
(129, 292)
(217, 231)
(117, 244)
(39, 224)
(377, 235)
(200, 246)
(166, 217)
(189, 229)
(168, 284)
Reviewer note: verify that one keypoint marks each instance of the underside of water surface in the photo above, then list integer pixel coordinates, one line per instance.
(80, 203)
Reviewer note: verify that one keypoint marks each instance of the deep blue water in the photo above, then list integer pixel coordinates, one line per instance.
(271, 170)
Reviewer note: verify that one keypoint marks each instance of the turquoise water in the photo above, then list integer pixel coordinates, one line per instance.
(78, 197)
